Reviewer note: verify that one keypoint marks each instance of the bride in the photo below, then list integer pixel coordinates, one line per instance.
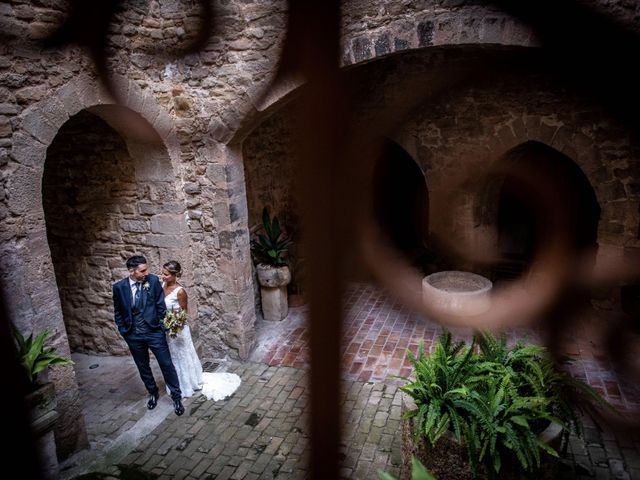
(214, 386)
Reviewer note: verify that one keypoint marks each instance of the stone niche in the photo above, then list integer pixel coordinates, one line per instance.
(270, 171)
(101, 206)
(89, 194)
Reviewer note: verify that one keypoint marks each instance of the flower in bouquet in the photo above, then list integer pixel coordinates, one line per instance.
(174, 321)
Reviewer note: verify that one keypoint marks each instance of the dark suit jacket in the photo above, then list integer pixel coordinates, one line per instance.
(153, 307)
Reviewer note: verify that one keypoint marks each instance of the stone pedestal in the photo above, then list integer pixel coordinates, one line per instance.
(42, 404)
(273, 291)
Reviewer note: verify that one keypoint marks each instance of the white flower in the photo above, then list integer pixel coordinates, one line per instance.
(146, 286)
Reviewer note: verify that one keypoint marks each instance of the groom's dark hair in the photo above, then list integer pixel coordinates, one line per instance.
(133, 262)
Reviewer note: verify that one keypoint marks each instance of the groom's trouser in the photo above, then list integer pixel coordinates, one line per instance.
(156, 341)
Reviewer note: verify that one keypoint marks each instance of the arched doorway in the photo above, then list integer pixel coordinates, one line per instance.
(105, 199)
(542, 193)
(401, 201)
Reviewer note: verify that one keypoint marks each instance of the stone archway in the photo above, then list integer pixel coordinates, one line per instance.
(26, 263)
(105, 199)
(530, 178)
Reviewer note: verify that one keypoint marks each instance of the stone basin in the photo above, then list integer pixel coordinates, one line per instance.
(457, 293)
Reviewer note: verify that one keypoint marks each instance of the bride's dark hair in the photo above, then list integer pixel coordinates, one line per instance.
(173, 268)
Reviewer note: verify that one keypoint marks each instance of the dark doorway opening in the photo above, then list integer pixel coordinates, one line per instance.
(544, 193)
(401, 201)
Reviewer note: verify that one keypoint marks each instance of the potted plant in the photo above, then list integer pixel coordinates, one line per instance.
(487, 410)
(270, 252)
(35, 358)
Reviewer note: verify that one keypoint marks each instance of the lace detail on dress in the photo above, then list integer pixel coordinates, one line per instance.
(183, 353)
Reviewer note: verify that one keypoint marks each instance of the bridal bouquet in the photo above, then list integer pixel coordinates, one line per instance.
(174, 321)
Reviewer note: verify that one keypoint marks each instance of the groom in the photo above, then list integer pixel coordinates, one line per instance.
(138, 303)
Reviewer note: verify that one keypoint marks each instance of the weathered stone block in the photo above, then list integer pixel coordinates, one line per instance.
(361, 49)
(54, 111)
(9, 109)
(425, 33)
(136, 226)
(382, 45)
(400, 44)
(23, 192)
(39, 127)
(164, 223)
(5, 127)
(194, 214)
(166, 241)
(192, 188)
(216, 173)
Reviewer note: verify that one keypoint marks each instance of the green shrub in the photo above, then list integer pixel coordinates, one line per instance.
(494, 399)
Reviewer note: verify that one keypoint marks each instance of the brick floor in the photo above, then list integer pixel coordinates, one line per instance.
(378, 331)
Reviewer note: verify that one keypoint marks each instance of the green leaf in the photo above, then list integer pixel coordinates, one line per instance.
(419, 471)
(270, 247)
(20, 339)
(548, 448)
(520, 420)
(275, 228)
(266, 222)
(35, 357)
(385, 475)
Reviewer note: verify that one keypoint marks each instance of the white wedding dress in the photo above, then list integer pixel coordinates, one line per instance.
(183, 353)
(215, 386)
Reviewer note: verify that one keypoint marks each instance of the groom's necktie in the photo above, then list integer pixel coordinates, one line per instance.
(137, 299)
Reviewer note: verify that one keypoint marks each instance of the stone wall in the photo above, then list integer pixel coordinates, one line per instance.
(182, 102)
(379, 28)
(269, 160)
(473, 126)
(461, 128)
(196, 92)
(88, 192)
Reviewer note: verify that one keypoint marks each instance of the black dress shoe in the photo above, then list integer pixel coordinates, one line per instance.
(153, 401)
(177, 407)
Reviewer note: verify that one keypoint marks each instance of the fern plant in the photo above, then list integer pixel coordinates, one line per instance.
(535, 374)
(443, 380)
(495, 401)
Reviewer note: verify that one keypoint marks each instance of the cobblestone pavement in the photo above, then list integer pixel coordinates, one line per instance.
(261, 431)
